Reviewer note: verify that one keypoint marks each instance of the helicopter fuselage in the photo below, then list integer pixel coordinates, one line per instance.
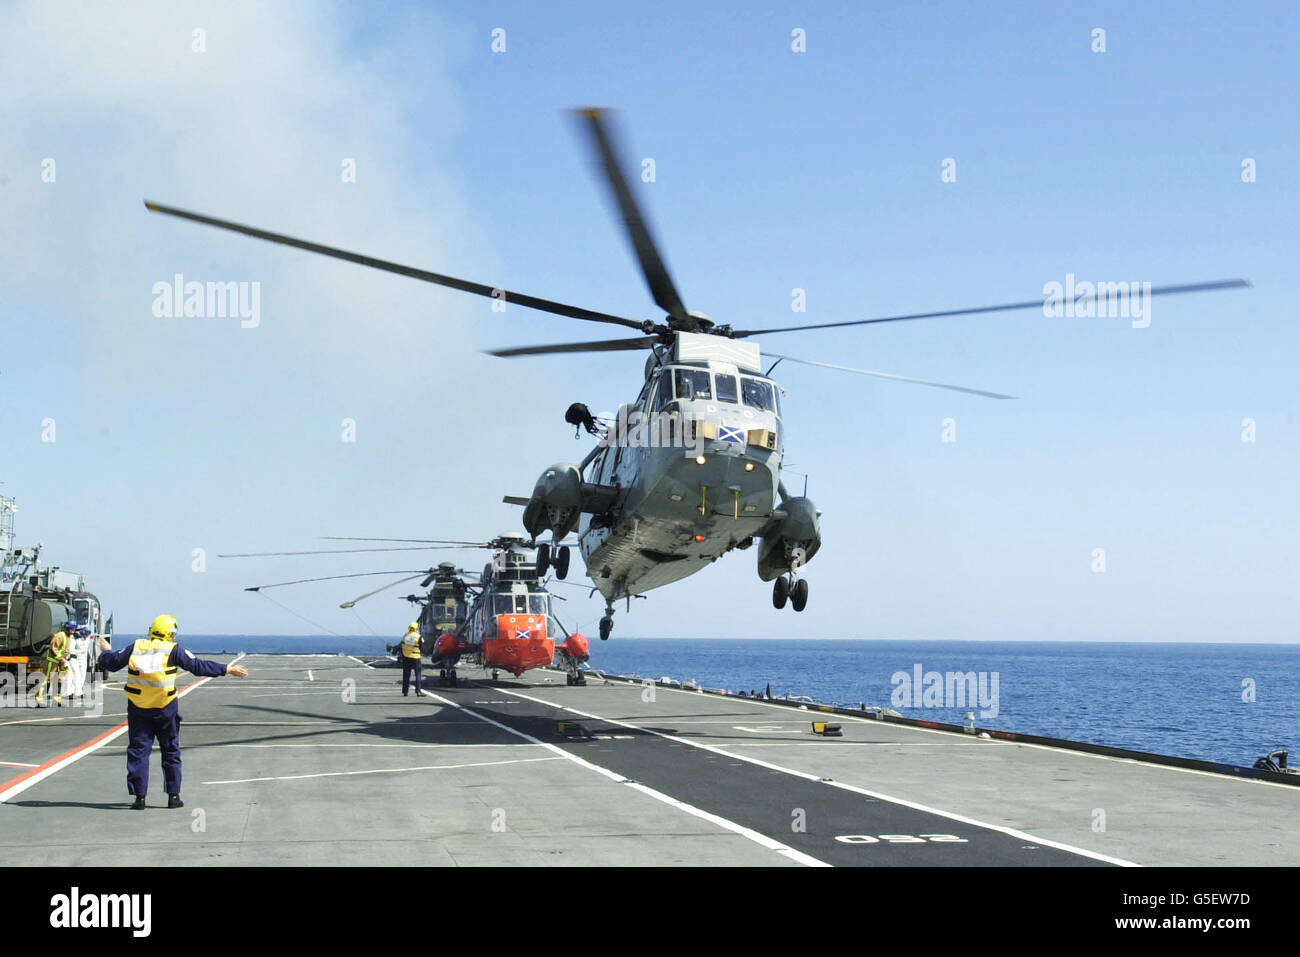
(681, 476)
(689, 500)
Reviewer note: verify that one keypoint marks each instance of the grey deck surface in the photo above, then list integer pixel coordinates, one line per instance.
(281, 769)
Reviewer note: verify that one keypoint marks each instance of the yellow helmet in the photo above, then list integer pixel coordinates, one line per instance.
(413, 626)
(164, 626)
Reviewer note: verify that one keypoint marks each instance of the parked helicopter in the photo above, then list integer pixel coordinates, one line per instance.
(504, 621)
(649, 511)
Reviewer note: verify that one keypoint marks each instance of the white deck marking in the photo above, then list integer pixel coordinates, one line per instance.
(762, 728)
(1019, 835)
(760, 839)
(310, 676)
(17, 764)
(84, 750)
(341, 774)
(973, 740)
(360, 744)
(64, 717)
(349, 726)
(318, 694)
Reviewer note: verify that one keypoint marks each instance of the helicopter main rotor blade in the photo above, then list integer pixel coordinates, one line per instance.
(464, 285)
(897, 378)
(426, 541)
(662, 289)
(328, 551)
(603, 345)
(330, 578)
(349, 604)
(1032, 304)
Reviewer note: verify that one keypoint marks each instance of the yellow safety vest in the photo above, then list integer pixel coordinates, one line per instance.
(151, 682)
(411, 645)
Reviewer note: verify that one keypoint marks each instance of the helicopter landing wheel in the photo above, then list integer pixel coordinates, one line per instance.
(606, 626)
(543, 560)
(780, 592)
(799, 594)
(451, 677)
(562, 563)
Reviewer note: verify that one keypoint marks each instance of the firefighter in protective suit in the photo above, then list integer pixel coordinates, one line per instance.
(411, 660)
(151, 708)
(55, 664)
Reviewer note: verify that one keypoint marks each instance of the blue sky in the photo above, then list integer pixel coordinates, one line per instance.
(775, 170)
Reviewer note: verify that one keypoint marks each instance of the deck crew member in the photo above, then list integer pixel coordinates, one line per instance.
(151, 708)
(411, 659)
(54, 664)
(74, 684)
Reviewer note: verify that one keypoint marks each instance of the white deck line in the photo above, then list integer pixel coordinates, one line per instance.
(761, 839)
(1012, 832)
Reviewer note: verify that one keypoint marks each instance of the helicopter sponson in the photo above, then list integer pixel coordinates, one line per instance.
(560, 497)
(791, 539)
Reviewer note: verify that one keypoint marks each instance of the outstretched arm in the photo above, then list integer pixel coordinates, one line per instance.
(203, 667)
(110, 660)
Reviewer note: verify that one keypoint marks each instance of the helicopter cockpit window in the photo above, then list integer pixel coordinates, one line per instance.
(726, 388)
(693, 384)
(536, 604)
(504, 604)
(757, 394)
(665, 394)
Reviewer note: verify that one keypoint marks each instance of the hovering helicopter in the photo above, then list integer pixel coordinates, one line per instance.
(649, 511)
(501, 622)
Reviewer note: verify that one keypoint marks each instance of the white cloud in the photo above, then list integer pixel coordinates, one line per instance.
(199, 433)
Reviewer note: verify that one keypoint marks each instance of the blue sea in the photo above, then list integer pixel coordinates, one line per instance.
(1181, 699)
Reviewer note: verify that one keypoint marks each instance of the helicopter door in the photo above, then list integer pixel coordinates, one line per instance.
(620, 443)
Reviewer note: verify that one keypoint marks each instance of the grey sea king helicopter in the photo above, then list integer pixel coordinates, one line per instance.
(651, 511)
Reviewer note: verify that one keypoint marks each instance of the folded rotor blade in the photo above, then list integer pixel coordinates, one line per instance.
(329, 578)
(349, 604)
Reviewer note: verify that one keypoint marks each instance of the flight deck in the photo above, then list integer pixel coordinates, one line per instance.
(319, 760)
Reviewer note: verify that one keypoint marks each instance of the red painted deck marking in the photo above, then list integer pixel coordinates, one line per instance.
(25, 780)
